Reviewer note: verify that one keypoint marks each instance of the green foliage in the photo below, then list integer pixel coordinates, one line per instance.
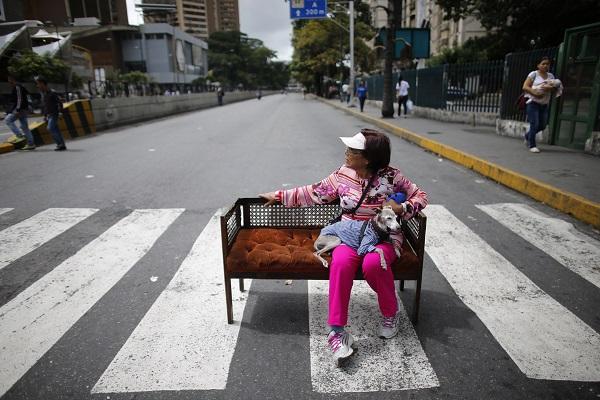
(471, 51)
(134, 78)
(517, 25)
(238, 60)
(76, 81)
(27, 65)
(321, 47)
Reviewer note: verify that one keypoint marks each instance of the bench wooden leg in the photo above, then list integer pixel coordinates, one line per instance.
(401, 285)
(228, 300)
(415, 317)
(241, 285)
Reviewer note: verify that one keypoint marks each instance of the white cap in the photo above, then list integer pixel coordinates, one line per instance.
(355, 142)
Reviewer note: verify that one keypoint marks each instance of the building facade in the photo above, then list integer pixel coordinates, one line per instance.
(445, 34)
(427, 14)
(199, 18)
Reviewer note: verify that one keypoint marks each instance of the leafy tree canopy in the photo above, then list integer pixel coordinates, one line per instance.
(517, 25)
(321, 47)
(238, 60)
(27, 65)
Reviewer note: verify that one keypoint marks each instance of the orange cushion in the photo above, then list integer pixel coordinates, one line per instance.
(266, 249)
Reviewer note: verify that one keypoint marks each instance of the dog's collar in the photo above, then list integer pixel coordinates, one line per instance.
(382, 234)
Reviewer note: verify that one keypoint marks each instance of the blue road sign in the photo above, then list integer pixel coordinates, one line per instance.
(308, 9)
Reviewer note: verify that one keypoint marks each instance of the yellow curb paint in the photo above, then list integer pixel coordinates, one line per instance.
(570, 203)
(6, 148)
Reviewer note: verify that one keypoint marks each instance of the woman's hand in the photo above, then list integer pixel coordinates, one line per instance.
(398, 208)
(271, 198)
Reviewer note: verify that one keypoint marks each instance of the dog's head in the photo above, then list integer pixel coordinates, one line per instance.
(386, 220)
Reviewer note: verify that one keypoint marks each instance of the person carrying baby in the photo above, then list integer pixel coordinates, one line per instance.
(366, 169)
(538, 87)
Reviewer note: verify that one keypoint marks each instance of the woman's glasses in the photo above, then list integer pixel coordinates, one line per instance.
(353, 152)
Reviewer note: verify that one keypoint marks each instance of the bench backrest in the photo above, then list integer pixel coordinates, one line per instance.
(251, 213)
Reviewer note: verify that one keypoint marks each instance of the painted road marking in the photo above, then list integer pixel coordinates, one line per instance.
(184, 341)
(557, 238)
(28, 235)
(379, 365)
(542, 337)
(35, 320)
(5, 210)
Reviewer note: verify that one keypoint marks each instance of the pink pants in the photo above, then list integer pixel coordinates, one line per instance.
(342, 271)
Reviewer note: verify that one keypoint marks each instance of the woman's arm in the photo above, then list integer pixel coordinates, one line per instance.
(322, 192)
(528, 88)
(416, 199)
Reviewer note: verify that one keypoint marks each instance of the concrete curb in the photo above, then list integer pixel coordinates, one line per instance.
(570, 203)
(6, 148)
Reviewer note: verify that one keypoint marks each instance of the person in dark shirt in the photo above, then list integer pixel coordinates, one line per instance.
(52, 107)
(361, 93)
(19, 110)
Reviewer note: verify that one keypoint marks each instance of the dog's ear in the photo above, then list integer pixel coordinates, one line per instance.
(378, 211)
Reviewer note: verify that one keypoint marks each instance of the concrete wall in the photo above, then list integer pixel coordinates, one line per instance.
(117, 111)
(473, 118)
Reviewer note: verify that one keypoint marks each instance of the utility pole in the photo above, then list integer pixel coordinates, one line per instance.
(351, 83)
(394, 13)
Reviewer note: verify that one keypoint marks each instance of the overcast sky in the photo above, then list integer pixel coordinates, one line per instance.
(267, 20)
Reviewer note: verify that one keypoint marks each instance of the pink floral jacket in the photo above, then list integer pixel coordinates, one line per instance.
(345, 184)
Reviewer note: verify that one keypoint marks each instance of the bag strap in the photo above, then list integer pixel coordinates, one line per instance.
(364, 194)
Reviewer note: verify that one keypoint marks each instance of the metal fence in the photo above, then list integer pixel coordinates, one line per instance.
(468, 87)
(516, 68)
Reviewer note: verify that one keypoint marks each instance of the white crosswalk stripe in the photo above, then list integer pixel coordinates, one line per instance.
(28, 235)
(43, 312)
(371, 369)
(557, 238)
(543, 338)
(192, 348)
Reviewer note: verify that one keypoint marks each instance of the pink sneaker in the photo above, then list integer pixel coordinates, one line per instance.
(340, 344)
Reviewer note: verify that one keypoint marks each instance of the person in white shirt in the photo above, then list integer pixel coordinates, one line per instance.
(345, 93)
(402, 94)
(538, 91)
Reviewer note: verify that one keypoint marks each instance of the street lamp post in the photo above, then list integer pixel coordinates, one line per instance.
(351, 6)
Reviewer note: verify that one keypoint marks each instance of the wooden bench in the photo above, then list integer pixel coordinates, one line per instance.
(276, 242)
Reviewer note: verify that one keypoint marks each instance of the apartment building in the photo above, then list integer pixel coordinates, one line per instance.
(444, 33)
(199, 18)
(427, 14)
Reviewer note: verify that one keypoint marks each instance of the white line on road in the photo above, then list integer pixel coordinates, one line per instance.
(38, 317)
(28, 235)
(542, 337)
(557, 238)
(184, 341)
(5, 210)
(379, 365)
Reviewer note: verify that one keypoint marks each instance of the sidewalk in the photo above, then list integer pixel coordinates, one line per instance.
(565, 179)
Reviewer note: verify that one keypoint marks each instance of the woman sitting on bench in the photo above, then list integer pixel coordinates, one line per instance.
(362, 185)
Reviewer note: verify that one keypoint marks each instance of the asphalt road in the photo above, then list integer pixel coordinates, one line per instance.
(196, 163)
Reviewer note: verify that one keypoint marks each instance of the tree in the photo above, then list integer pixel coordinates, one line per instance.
(238, 60)
(27, 65)
(321, 47)
(517, 25)
(394, 14)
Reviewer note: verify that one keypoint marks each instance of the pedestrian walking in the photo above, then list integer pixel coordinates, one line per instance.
(220, 94)
(538, 88)
(365, 175)
(18, 112)
(361, 93)
(52, 108)
(259, 94)
(402, 94)
(345, 97)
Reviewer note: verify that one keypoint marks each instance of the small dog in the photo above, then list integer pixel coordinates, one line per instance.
(360, 235)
